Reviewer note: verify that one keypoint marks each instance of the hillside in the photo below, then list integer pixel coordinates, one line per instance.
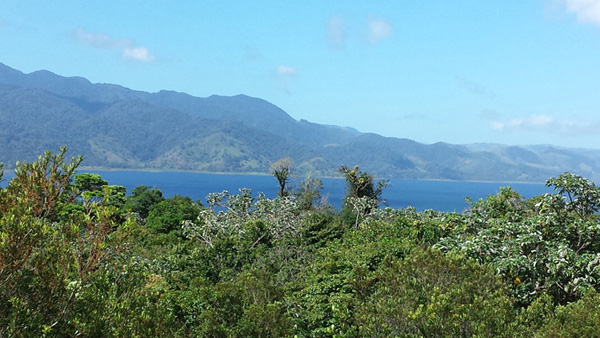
(120, 128)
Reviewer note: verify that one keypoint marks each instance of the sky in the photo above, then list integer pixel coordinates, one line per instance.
(464, 71)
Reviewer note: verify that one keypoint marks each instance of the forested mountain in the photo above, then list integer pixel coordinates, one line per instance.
(115, 127)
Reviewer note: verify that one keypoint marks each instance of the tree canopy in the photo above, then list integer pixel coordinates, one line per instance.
(242, 265)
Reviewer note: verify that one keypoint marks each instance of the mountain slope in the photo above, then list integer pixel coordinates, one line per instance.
(115, 127)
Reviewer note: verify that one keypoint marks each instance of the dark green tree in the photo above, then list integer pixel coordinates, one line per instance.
(576, 319)
(429, 294)
(142, 199)
(89, 182)
(167, 216)
(90, 186)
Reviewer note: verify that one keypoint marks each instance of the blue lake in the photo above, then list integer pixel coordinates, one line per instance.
(439, 195)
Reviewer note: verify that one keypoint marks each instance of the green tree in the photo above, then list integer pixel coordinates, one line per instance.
(362, 184)
(250, 305)
(167, 216)
(507, 204)
(547, 245)
(576, 319)
(281, 169)
(89, 182)
(428, 294)
(142, 199)
(48, 264)
(114, 195)
(582, 195)
(279, 218)
(43, 186)
(308, 193)
(363, 194)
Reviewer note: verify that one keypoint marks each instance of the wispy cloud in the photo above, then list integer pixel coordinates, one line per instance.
(252, 53)
(335, 32)
(530, 122)
(378, 29)
(489, 114)
(286, 71)
(586, 10)
(545, 123)
(475, 88)
(286, 76)
(104, 41)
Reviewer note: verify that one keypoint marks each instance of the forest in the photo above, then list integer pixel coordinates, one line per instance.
(80, 257)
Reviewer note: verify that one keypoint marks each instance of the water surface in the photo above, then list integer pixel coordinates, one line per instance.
(439, 195)
(445, 196)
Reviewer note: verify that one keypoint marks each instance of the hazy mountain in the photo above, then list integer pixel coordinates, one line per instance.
(115, 127)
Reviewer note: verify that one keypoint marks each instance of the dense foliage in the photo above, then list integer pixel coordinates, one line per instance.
(81, 258)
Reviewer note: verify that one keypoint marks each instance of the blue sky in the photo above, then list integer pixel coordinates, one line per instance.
(461, 71)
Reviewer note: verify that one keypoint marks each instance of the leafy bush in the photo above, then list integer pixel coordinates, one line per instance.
(168, 215)
(577, 319)
(549, 247)
(428, 294)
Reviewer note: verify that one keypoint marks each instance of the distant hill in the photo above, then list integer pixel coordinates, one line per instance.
(116, 127)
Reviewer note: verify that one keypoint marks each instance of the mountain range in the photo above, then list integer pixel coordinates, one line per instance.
(119, 128)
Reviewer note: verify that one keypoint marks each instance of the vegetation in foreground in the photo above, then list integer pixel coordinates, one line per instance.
(80, 258)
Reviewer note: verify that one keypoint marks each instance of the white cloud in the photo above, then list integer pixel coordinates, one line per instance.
(138, 53)
(548, 124)
(104, 41)
(286, 71)
(586, 10)
(378, 29)
(335, 32)
(530, 122)
(499, 126)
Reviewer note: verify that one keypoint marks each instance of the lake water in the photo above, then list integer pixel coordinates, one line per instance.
(439, 195)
